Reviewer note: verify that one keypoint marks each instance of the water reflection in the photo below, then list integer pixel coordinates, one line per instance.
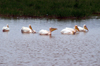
(50, 36)
(21, 49)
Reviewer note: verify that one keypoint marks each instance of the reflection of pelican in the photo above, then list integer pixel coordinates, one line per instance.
(27, 30)
(6, 29)
(70, 30)
(84, 29)
(45, 32)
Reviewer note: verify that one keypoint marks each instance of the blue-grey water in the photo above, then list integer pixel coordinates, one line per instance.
(17, 49)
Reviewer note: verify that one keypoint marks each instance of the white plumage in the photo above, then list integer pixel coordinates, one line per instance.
(27, 29)
(45, 32)
(67, 31)
(6, 29)
(83, 29)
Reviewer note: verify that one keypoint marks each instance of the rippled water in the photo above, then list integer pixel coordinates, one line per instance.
(17, 49)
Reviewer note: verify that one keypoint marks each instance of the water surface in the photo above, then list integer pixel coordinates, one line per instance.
(17, 49)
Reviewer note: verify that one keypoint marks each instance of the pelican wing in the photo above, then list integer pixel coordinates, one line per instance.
(26, 29)
(63, 30)
(80, 28)
(43, 32)
(69, 29)
(5, 28)
(66, 31)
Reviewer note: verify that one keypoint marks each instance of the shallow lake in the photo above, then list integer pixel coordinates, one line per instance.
(17, 49)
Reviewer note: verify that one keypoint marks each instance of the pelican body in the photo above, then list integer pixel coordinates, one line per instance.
(70, 30)
(45, 32)
(27, 30)
(84, 29)
(67, 31)
(6, 29)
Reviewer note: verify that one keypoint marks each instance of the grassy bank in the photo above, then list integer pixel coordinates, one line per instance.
(56, 8)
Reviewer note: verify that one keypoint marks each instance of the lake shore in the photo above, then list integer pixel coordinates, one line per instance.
(41, 17)
(60, 9)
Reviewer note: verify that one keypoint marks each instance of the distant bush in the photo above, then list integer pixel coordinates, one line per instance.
(59, 8)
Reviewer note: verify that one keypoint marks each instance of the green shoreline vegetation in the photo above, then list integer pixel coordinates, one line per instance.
(56, 8)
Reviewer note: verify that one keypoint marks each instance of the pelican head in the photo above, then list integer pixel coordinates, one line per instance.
(33, 31)
(85, 27)
(52, 29)
(7, 25)
(30, 27)
(76, 27)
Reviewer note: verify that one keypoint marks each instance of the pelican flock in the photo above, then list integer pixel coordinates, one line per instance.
(67, 30)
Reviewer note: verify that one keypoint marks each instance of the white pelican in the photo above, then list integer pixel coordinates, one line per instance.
(45, 32)
(67, 31)
(70, 30)
(84, 29)
(27, 30)
(6, 29)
